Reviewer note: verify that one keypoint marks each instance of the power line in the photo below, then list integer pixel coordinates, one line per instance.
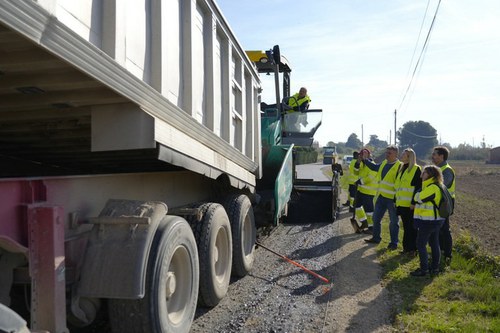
(413, 57)
(418, 38)
(422, 52)
(418, 135)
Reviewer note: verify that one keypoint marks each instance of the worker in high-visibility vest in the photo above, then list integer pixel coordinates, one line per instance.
(427, 220)
(297, 102)
(440, 159)
(295, 108)
(351, 180)
(408, 183)
(366, 185)
(384, 199)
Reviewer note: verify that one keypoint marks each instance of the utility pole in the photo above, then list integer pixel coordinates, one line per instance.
(362, 137)
(395, 127)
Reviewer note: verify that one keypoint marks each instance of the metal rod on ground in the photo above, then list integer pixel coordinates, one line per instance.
(322, 278)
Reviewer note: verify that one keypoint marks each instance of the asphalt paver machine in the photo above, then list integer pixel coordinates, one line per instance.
(287, 140)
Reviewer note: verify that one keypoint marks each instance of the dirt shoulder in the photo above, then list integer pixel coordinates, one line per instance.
(477, 205)
(358, 301)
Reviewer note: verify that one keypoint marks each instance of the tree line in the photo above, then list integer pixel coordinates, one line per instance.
(418, 135)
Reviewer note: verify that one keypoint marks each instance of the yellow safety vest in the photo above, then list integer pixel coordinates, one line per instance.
(425, 210)
(404, 189)
(294, 101)
(452, 188)
(353, 174)
(386, 185)
(368, 180)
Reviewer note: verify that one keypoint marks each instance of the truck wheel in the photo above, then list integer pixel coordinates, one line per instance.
(172, 284)
(214, 241)
(240, 212)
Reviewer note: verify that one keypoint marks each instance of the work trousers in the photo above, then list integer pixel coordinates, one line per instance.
(445, 240)
(364, 207)
(352, 194)
(364, 200)
(382, 205)
(409, 230)
(428, 232)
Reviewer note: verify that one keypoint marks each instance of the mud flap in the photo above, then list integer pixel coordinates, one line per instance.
(118, 249)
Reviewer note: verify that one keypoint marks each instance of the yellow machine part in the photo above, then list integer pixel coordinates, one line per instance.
(256, 56)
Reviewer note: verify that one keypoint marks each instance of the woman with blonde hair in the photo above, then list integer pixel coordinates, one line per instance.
(407, 184)
(427, 219)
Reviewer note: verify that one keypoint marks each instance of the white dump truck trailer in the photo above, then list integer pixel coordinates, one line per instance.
(129, 154)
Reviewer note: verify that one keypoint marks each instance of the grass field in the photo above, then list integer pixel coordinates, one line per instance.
(465, 297)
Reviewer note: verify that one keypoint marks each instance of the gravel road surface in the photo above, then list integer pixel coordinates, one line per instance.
(280, 297)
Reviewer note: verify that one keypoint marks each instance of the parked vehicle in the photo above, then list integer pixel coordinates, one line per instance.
(328, 154)
(130, 154)
(132, 163)
(346, 160)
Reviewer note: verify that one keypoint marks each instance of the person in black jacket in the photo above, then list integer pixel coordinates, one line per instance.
(408, 183)
(440, 159)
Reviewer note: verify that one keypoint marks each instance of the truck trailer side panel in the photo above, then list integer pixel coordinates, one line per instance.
(108, 108)
(58, 49)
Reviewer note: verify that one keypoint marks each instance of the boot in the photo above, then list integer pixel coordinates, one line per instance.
(364, 225)
(355, 226)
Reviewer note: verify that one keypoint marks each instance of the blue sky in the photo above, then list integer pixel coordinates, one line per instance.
(355, 58)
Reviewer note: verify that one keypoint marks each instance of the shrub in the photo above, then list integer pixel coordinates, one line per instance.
(469, 248)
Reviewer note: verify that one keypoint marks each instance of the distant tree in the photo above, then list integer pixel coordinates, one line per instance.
(418, 135)
(369, 147)
(376, 143)
(447, 145)
(484, 145)
(341, 148)
(467, 152)
(330, 144)
(353, 142)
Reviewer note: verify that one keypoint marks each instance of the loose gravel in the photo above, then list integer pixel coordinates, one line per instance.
(280, 297)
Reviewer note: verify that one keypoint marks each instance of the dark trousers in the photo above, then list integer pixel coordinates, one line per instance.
(364, 200)
(409, 230)
(445, 240)
(428, 232)
(352, 190)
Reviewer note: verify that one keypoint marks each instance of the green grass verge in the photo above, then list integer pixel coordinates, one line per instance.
(465, 297)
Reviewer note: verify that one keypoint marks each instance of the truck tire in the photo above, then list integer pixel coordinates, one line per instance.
(214, 241)
(240, 212)
(172, 283)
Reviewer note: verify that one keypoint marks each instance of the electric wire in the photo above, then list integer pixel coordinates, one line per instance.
(418, 135)
(414, 86)
(418, 39)
(413, 56)
(420, 59)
